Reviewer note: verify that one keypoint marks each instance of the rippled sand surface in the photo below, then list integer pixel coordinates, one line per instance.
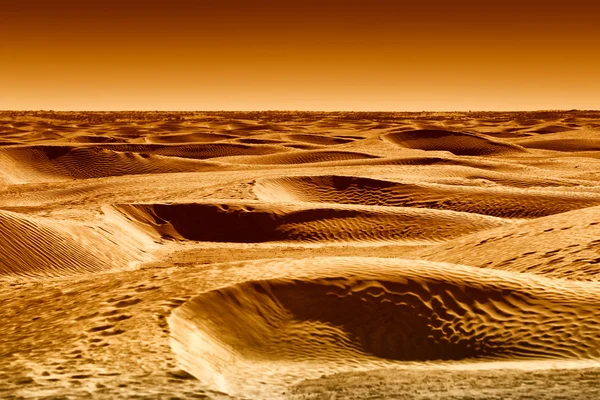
(300, 255)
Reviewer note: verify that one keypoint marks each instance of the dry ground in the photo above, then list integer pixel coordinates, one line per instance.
(300, 255)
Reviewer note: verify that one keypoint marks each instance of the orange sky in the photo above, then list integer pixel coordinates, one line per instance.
(299, 55)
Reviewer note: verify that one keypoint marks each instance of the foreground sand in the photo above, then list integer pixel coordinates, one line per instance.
(299, 255)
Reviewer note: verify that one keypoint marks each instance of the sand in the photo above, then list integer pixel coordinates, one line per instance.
(299, 255)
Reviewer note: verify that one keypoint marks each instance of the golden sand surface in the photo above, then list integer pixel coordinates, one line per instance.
(266, 255)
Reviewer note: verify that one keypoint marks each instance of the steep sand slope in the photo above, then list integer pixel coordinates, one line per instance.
(253, 222)
(562, 246)
(51, 163)
(39, 248)
(342, 314)
(235, 255)
(302, 157)
(569, 141)
(499, 202)
(458, 143)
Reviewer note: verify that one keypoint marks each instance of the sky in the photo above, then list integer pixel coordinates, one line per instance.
(375, 55)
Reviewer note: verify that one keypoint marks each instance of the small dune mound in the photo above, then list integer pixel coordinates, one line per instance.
(246, 222)
(563, 246)
(36, 248)
(499, 202)
(194, 137)
(302, 146)
(259, 141)
(579, 140)
(344, 312)
(195, 151)
(564, 145)
(94, 139)
(319, 139)
(47, 163)
(552, 129)
(303, 157)
(458, 143)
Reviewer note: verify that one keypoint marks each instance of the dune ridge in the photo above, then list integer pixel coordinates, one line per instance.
(563, 246)
(498, 202)
(302, 157)
(345, 312)
(39, 248)
(306, 255)
(253, 222)
(52, 163)
(458, 143)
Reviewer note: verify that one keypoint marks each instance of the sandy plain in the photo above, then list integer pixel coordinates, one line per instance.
(300, 255)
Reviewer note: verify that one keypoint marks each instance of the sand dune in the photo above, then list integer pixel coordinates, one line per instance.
(37, 248)
(47, 163)
(321, 140)
(196, 137)
(348, 312)
(499, 202)
(255, 255)
(302, 157)
(569, 141)
(560, 246)
(252, 222)
(458, 143)
(195, 151)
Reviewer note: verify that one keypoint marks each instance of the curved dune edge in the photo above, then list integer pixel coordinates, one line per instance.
(52, 163)
(301, 157)
(41, 248)
(458, 143)
(581, 140)
(254, 222)
(561, 246)
(319, 139)
(344, 314)
(194, 137)
(563, 145)
(498, 202)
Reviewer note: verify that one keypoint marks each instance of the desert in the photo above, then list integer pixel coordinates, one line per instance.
(300, 255)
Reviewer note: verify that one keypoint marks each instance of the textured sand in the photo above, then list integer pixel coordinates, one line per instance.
(300, 255)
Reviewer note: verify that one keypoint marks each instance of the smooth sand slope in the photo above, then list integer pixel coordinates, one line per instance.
(299, 255)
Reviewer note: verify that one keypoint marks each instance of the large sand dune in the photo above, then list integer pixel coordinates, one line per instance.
(252, 222)
(378, 311)
(458, 143)
(299, 255)
(495, 201)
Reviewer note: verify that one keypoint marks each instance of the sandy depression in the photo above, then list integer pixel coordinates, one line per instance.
(299, 255)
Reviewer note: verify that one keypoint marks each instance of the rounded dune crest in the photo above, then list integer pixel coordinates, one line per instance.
(247, 222)
(36, 248)
(373, 312)
(303, 157)
(458, 143)
(52, 163)
(498, 201)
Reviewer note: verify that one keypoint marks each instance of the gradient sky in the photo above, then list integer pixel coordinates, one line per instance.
(299, 55)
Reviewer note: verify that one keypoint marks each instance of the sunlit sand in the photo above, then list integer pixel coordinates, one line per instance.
(299, 255)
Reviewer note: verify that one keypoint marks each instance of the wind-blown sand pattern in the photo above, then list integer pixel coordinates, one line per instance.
(299, 255)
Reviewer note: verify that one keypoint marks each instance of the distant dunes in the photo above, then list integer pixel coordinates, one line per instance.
(48, 163)
(299, 255)
(303, 157)
(458, 143)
